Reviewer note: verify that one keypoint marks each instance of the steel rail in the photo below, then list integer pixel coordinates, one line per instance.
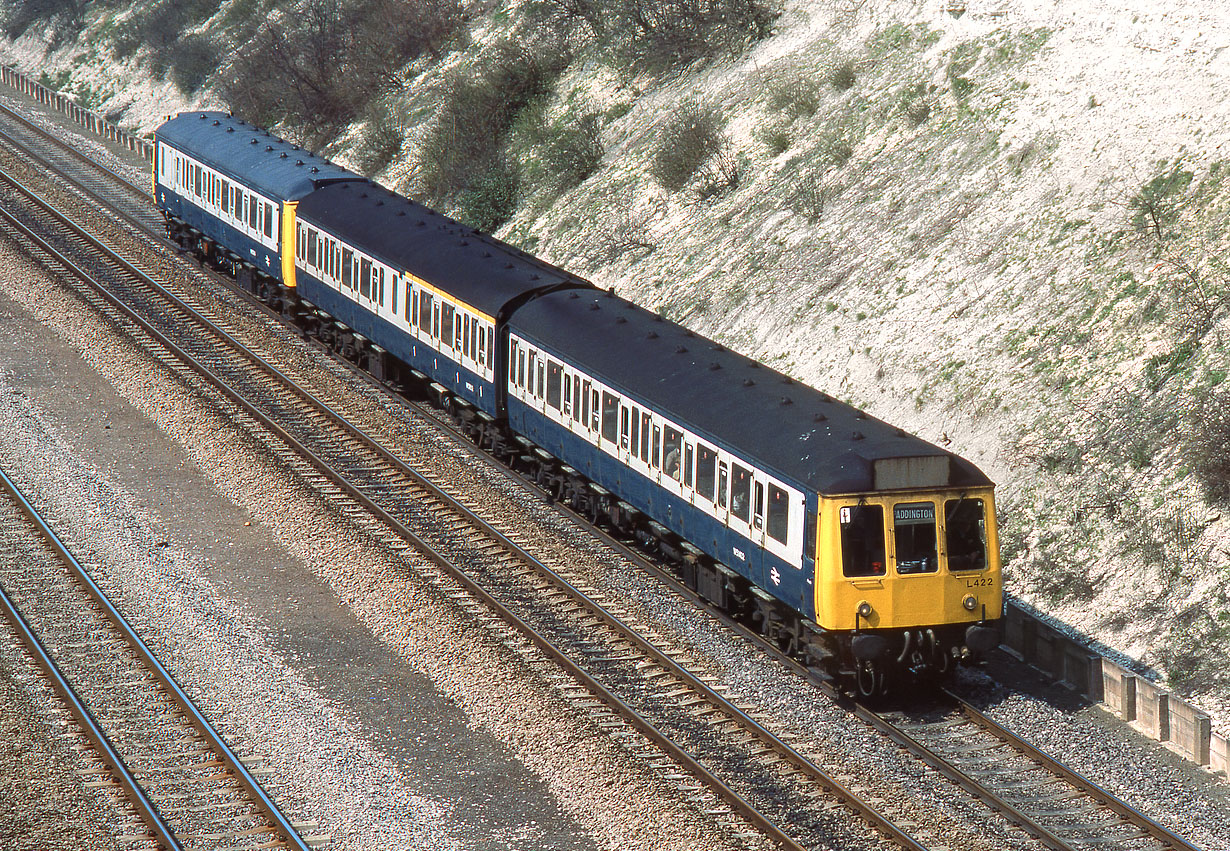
(146, 809)
(194, 715)
(1072, 776)
(877, 820)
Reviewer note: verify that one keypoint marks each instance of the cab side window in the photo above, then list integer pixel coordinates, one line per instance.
(862, 540)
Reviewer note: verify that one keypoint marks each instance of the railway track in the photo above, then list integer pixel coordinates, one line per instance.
(637, 684)
(187, 786)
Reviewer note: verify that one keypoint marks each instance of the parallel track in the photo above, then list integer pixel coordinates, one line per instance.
(1096, 819)
(185, 783)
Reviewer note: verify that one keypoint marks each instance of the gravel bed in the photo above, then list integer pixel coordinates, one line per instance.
(1168, 788)
(329, 774)
(44, 805)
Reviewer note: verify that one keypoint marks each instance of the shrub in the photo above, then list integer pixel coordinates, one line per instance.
(316, 65)
(776, 138)
(794, 94)
(195, 60)
(836, 148)
(477, 111)
(63, 16)
(661, 34)
(491, 199)
(573, 150)
(1207, 447)
(684, 144)
(381, 144)
(841, 76)
(1156, 205)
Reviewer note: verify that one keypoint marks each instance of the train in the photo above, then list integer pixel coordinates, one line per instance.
(867, 553)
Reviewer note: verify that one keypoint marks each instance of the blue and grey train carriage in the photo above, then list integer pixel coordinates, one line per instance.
(785, 506)
(229, 190)
(424, 292)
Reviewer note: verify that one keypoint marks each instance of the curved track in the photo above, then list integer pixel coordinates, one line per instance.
(627, 674)
(185, 783)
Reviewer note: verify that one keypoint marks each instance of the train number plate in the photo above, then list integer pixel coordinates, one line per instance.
(980, 582)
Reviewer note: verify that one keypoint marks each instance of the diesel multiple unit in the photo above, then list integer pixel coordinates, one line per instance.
(867, 552)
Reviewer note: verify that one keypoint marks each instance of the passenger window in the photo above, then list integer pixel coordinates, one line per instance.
(459, 323)
(862, 540)
(672, 447)
(435, 320)
(469, 334)
(446, 323)
(378, 285)
(636, 428)
(554, 384)
(914, 537)
(721, 488)
(533, 363)
(311, 249)
(269, 220)
(576, 394)
(706, 465)
(253, 212)
(623, 427)
(809, 534)
(567, 407)
(594, 400)
(965, 534)
(365, 277)
(512, 361)
(491, 345)
(657, 446)
(645, 420)
(687, 465)
(740, 492)
(758, 507)
(425, 311)
(778, 524)
(521, 368)
(610, 425)
(347, 268)
(542, 384)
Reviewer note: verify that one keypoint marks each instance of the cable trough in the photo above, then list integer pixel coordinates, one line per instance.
(188, 786)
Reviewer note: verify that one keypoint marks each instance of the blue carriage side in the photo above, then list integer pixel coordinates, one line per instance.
(636, 404)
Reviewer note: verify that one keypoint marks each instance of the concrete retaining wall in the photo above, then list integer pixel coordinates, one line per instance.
(91, 121)
(1149, 708)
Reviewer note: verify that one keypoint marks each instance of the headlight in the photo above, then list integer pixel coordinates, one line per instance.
(864, 609)
(969, 602)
